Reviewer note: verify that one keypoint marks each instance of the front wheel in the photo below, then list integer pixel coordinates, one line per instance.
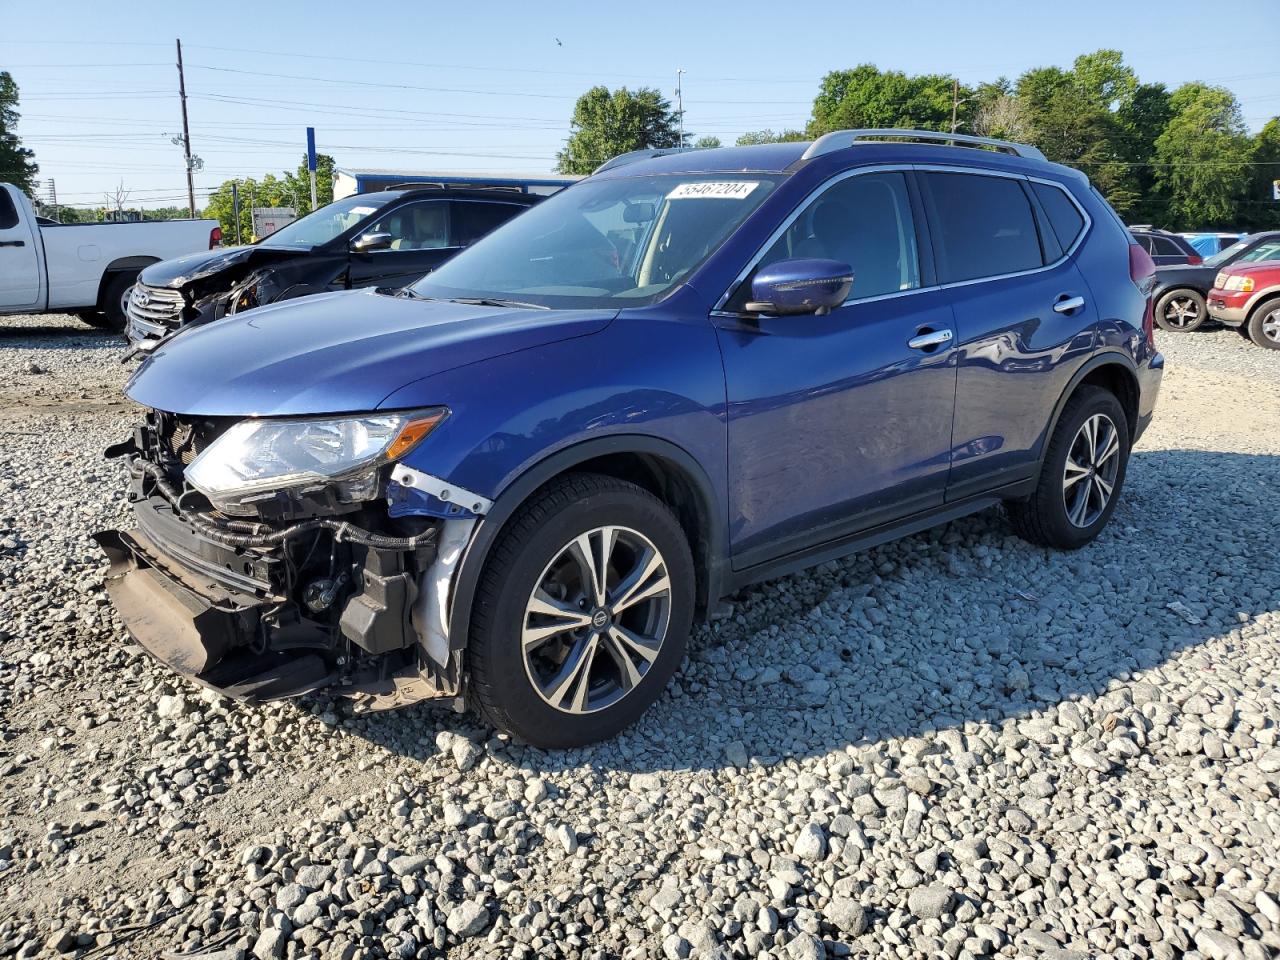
(582, 613)
(1264, 325)
(1181, 311)
(1082, 474)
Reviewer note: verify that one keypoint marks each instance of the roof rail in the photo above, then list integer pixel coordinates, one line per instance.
(623, 159)
(840, 139)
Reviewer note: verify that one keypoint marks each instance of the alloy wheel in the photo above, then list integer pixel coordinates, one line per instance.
(596, 619)
(1182, 312)
(1271, 325)
(1089, 477)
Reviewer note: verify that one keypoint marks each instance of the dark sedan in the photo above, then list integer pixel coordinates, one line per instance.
(1181, 290)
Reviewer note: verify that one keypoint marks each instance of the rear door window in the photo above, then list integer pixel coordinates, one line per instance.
(1164, 247)
(472, 220)
(982, 226)
(1064, 217)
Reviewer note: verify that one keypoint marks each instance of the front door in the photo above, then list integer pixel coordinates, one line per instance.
(840, 422)
(420, 242)
(19, 259)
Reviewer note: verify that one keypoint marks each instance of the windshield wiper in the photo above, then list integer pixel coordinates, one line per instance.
(498, 302)
(410, 294)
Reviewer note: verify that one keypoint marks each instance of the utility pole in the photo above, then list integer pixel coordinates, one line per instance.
(680, 102)
(235, 204)
(186, 133)
(955, 103)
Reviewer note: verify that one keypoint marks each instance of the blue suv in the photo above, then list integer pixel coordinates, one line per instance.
(518, 482)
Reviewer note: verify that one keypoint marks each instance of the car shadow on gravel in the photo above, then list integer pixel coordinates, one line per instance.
(58, 337)
(961, 624)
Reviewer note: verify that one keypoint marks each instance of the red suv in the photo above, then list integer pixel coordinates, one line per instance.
(1248, 296)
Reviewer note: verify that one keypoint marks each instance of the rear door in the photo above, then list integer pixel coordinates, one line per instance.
(1023, 314)
(20, 281)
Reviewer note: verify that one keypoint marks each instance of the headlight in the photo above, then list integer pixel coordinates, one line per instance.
(256, 456)
(1239, 283)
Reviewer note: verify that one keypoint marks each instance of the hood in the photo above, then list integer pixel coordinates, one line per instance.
(336, 352)
(1259, 268)
(180, 271)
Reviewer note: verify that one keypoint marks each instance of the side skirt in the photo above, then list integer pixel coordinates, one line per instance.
(874, 536)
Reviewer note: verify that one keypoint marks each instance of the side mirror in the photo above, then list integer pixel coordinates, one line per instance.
(791, 287)
(372, 241)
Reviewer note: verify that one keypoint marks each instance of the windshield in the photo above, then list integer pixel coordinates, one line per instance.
(614, 242)
(1222, 256)
(324, 224)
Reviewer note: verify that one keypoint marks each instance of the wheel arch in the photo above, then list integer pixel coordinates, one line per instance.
(659, 466)
(1112, 370)
(118, 266)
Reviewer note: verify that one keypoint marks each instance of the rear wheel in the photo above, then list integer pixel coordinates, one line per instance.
(1181, 311)
(1264, 325)
(582, 613)
(1082, 474)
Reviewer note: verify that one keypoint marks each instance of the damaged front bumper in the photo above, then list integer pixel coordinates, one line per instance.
(333, 606)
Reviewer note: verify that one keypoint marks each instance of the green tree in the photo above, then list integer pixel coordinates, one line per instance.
(1142, 119)
(291, 189)
(1261, 211)
(299, 183)
(754, 137)
(868, 97)
(1202, 157)
(605, 124)
(1104, 80)
(17, 163)
(706, 143)
(1071, 115)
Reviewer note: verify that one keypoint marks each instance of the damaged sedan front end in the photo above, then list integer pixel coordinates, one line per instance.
(272, 557)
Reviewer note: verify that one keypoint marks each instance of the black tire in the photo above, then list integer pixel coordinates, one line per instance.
(1043, 518)
(1181, 310)
(113, 316)
(1264, 324)
(502, 688)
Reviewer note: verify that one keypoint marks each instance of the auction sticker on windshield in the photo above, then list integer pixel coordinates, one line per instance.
(721, 189)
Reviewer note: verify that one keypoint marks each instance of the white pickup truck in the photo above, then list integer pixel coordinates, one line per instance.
(85, 269)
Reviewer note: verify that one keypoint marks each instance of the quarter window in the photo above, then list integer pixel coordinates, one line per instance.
(1064, 217)
(864, 221)
(982, 226)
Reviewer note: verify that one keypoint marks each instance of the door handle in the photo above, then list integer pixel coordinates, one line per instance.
(929, 339)
(1066, 304)
(13, 243)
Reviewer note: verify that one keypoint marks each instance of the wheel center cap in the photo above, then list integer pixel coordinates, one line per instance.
(601, 618)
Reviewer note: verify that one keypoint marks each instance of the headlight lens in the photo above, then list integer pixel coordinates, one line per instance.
(1237, 282)
(255, 456)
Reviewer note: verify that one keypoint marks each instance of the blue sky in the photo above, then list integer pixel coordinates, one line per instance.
(490, 86)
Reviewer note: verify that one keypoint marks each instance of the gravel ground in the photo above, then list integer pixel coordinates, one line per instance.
(955, 745)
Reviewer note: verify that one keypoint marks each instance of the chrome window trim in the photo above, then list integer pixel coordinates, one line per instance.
(719, 311)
